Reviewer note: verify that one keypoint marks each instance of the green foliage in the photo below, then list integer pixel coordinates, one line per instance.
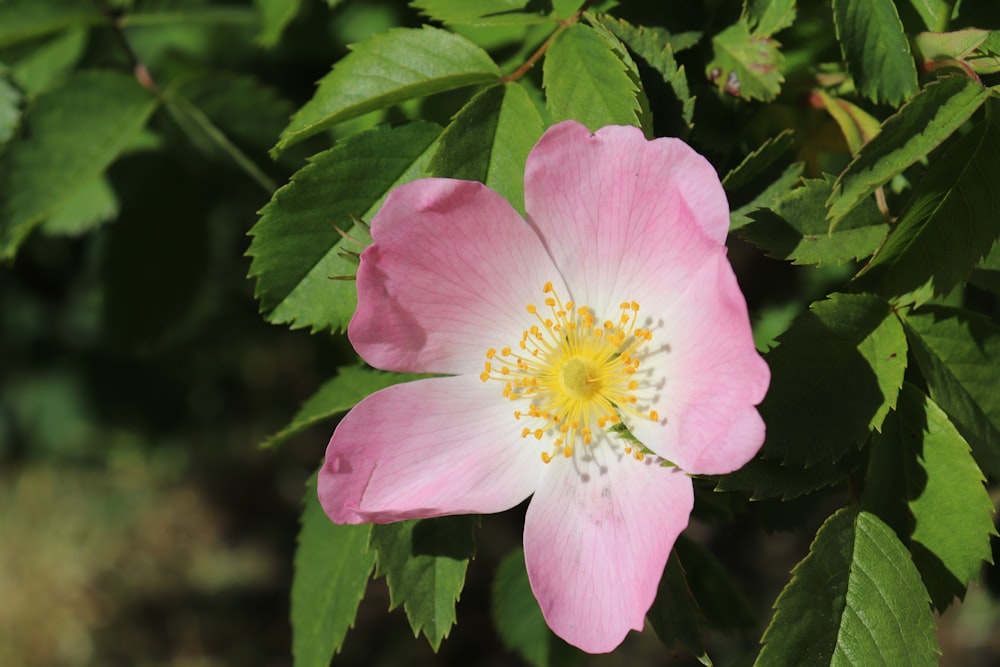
(389, 69)
(585, 79)
(919, 127)
(336, 395)
(482, 13)
(675, 615)
(749, 185)
(519, 620)
(766, 17)
(957, 195)
(855, 599)
(275, 16)
(69, 136)
(876, 49)
(959, 356)
(848, 349)
(923, 479)
(22, 20)
(332, 567)
(302, 220)
(424, 563)
(746, 65)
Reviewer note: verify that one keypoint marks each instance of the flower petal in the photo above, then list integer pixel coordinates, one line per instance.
(614, 209)
(448, 276)
(595, 548)
(711, 375)
(427, 448)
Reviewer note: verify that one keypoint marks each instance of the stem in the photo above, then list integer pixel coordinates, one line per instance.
(139, 69)
(529, 63)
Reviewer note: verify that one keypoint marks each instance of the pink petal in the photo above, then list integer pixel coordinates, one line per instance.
(615, 210)
(595, 548)
(448, 277)
(713, 376)
(428, 448)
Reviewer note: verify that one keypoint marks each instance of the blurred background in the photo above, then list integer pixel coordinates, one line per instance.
(140, 523)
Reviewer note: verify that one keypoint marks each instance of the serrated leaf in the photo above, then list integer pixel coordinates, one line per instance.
(584, 79)
(488, 141)
(654, 50)
(90, 206)
(856, 599)
(950, 223)
(387, 69)
(766, 17)
(332, 566)
(675, 615)
(296, 246)
(745, 65)
(275, 15)
(947, 504)
(920, 126)
(518, 618)
(834, 377)
(482, 12)
(986, 275)
(752, 184)
(72, 133)
(338, 394)
(959, 356)
(424, 563)
(876, 49)
(766, 478)
(857, 125)
(794, 228)
(21, 20)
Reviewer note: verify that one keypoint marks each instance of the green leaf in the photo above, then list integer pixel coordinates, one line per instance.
(769, 478)
(21, 20)
(745, 65)
(424, 563)
(296, 247)
(752, 184)
(950, 223)
(856, 599)
(275, 15)
(332, 566)
(49, 62)
(89, 207)
(518, 618)
(935, 13)
(834, 377)
(488, 141)
(586, 80)
(338, 394)
(654, 51)
(928, 468)
(72, 133)
(876, 49)
(906, 137)
(766, 17)
(955, 45)
(959, 356)
(987, 273)
(794, 228)
(856, 124)
(10, 108)
(390, 68)
(675, 615)
(482, 12)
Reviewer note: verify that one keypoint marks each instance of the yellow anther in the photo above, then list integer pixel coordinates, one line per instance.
(546, 457)
(490, 353)
(568, 451)
(654, 415)
(548, 287)
(550, 302)
(531, 308)
(484, 376)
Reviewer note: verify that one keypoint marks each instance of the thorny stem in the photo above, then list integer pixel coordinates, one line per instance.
(529, 63)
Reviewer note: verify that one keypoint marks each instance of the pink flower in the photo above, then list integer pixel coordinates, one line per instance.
(612, 305)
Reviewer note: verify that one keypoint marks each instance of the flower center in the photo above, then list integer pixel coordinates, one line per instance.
(574, 373)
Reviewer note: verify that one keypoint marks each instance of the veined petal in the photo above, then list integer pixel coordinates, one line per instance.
(614, 208)
(595, 547)
(703, 357)
(427, 448)
(448, 276)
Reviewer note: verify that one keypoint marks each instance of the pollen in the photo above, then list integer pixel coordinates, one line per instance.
(573, 375)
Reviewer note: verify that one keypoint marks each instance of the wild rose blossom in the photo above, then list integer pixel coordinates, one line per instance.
(613, 305)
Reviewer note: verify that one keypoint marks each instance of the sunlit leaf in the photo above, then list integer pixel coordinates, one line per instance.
(935, 13)
(388, 69)
(746, 65)
(876, 49)
(424, 563)
(763, 178)
(297, 248)
(90, 206)
(766, 17)
(482, 12)
(48, 62)
(855, 599)
(332, 566)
